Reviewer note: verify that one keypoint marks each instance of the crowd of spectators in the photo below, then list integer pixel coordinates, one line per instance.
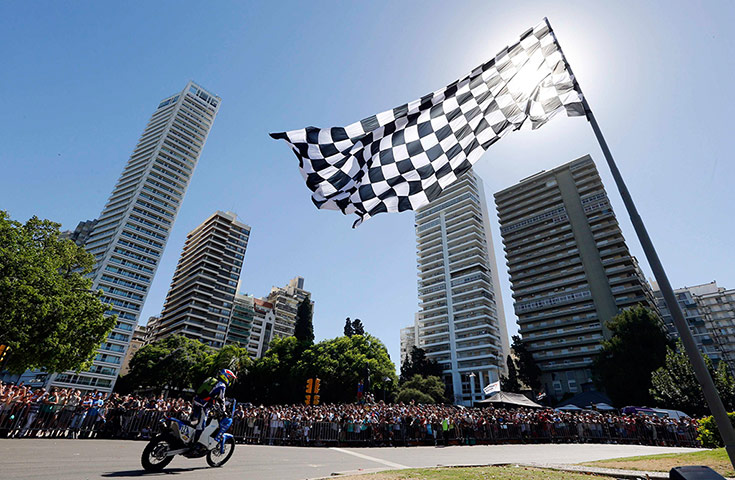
(71, 413)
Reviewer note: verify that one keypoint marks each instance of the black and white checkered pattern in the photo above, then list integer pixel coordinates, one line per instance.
(403, 158)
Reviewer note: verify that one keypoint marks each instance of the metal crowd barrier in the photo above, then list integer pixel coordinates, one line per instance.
(81, 422)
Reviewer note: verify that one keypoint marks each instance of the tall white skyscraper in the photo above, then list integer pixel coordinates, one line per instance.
(133, 228)
(461, 319)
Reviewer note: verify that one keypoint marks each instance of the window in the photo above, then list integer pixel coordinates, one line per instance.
(572, 385)
(557, 385)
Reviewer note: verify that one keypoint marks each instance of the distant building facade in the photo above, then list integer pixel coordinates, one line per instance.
(261, 333)
(409, 339)
(81, 233)
(570, 270)
(201, 299)
(693, 313)
(285, 301)
(461, 323)
(136, 342)
(717, 305)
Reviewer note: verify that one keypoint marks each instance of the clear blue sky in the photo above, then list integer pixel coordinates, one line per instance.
(80, 80)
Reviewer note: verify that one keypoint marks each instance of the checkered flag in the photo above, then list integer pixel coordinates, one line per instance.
(403, 158)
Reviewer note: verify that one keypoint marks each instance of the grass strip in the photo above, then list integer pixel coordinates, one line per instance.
(716, 459)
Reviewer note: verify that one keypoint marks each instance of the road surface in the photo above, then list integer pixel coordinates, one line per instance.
(105, 459)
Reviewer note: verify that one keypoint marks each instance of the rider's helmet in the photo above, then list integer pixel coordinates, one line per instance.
(227, 376)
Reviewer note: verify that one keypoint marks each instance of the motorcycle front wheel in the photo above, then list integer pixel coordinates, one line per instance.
(217, 458)
(154, 458)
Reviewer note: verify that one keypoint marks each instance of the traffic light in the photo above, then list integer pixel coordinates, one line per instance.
(3, 353)
(307, 399)
(316, 385)
(309, 385)
(316, 400)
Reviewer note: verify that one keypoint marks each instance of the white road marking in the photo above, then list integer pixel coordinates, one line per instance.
(372, 459)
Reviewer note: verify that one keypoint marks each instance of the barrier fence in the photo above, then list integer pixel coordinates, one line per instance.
(42, 421)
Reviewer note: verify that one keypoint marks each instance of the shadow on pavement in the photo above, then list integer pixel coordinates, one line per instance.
(143, 473)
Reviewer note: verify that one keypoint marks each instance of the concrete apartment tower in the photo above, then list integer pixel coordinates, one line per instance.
(130, 234)
(200, 301)
(461, 323)
(285, 301)
(409, 339)
(717, 305)
(570, 269)
(693, 312)
(264, 318)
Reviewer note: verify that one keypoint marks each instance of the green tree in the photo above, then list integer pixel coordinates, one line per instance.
(357, 327)
(675, 386)
(348, 328)
(418, 364)
(510, 383)
(304, 327)
(277, 377)
(420, 389)
(49, 317)
(637, 348)
(342, 362)
(232, 357)
(528, 372)
(175, 362)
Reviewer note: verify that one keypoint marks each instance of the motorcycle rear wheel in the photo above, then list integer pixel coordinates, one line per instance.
(216, 459)
(154, 457)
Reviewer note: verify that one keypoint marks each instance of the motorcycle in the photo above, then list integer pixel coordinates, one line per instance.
(178, 438)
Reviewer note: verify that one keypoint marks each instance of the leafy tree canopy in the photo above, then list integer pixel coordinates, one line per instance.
(49, 318)
(528, 372)
(417, 364)
(625, 363)
(674, 385)
(176, 362)
(430, 389)
(342, 362)
(510, 383)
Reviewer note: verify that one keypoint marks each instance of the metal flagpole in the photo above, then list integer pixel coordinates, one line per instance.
(700, 369)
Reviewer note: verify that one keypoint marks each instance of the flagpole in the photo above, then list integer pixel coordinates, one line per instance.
(700, 369)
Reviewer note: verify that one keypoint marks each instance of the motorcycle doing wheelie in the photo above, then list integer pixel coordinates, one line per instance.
(178, 438)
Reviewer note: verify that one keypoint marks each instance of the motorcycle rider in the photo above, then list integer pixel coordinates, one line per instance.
(209, 394)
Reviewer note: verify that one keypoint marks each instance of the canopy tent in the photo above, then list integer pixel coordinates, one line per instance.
(585, 399)
(569, 407)
(601, 406)
(510, 399)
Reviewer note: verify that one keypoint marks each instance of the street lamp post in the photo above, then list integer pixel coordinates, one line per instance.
(472, 389)
(386, 381)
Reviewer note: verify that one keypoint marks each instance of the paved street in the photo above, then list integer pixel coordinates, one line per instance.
(95, 459)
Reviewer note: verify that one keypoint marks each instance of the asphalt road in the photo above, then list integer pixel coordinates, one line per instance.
(104, 459)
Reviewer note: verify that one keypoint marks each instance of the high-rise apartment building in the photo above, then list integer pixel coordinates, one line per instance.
(136, 342)
(241, 321)
(202, 294)
(409, 339)
(286, 302)
(133, 228)
(81, 233)
(261, 333)
(570, 269)
(698, 326)
(717, 305)
(461, 319)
